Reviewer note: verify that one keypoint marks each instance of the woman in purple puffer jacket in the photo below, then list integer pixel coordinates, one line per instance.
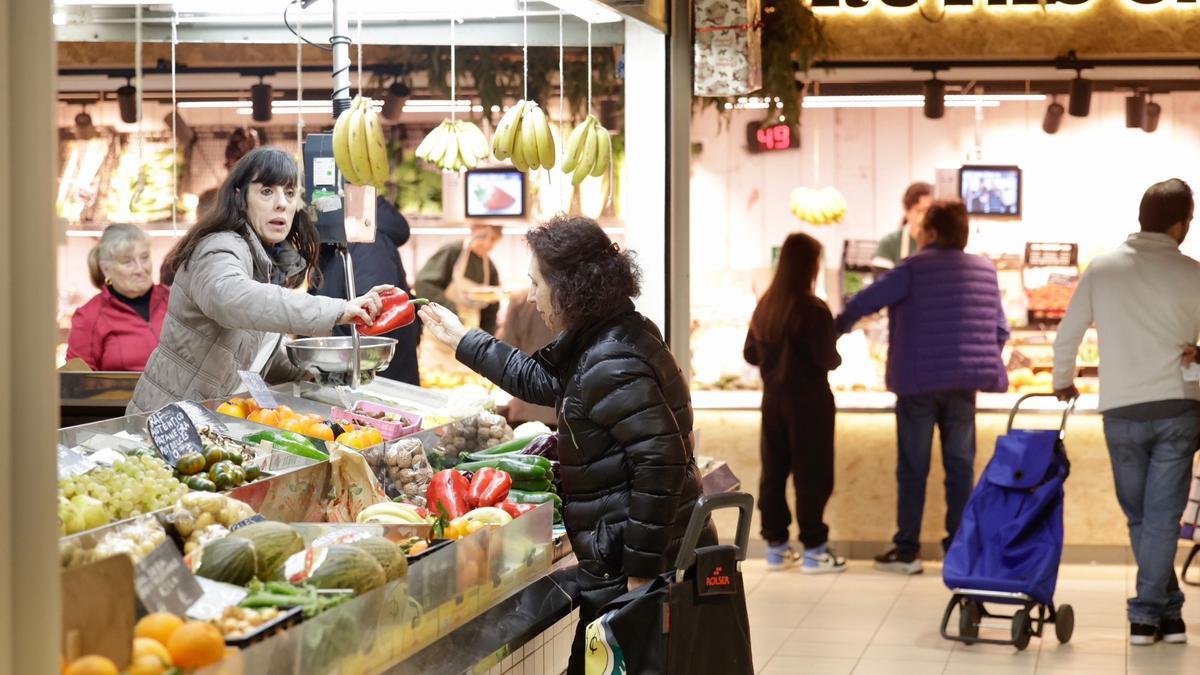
(946, 331)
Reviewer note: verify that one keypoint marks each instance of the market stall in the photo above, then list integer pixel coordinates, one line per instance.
(354, 524)
(1050, 147)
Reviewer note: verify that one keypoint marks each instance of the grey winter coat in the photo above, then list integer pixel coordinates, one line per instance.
(223, 307)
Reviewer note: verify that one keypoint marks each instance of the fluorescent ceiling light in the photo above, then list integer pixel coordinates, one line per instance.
(889, 101)
(588, 10)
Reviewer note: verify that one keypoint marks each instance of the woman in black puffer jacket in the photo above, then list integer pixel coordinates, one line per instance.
(629, 479)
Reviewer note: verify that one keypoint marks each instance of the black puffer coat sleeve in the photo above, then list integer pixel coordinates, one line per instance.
(522, 376)
(623, 395)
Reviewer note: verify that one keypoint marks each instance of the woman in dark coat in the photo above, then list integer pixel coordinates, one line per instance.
(629, 479)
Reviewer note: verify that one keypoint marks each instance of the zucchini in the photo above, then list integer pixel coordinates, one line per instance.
(519, 467)
(524, 497)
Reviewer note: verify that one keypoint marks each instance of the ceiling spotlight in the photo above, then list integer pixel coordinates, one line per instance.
(1053, 119)
(127, 102)
(1080, 102)
(260, 101)
(394, 100)
(935, 98)
(1150, 120)
(1135, 110)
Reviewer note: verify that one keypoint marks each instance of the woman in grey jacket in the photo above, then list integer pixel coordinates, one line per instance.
(234, 294)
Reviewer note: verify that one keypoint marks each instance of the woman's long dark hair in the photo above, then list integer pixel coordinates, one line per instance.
(269, 166)
(795, 278)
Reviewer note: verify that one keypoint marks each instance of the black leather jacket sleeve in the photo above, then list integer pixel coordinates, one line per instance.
(522, 376)
(622, 394)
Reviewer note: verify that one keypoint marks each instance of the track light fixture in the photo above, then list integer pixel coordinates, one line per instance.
(1052, 122)
(393, 102)
(127, 102)
(1135, 110)
(935, 98)
(1080, 102)
(84, 129)
(1150, 119)
(260, 101)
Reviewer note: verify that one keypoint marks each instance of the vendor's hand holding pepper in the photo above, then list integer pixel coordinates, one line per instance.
(364, 308)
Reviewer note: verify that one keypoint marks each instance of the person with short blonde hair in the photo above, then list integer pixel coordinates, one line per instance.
(118, 328)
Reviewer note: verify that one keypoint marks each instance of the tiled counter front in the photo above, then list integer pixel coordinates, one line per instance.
(861, 514)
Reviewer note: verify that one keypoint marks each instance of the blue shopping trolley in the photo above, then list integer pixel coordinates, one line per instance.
(1008, 547)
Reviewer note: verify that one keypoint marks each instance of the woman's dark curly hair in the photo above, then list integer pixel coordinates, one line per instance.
(589, 276)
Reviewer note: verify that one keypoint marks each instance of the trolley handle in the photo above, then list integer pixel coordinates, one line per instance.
(743, 502)
(1062, 427)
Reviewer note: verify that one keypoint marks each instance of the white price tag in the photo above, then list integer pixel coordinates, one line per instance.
(258, 388)
(1191, 373)
(324, 171)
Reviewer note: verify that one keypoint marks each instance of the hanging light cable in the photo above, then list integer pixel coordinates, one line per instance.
(174, 127)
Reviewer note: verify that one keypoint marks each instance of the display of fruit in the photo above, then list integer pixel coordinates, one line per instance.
(588, 151)
(128, 488)
(454, 145)
(359, 146)
(135, 539)
(157, 626)
(333, 567)
(230, 560)
(273, 544)
(283, 417)
(818, 207)
(523, 135)
(152, 648)
(392, 513)
(388, 555)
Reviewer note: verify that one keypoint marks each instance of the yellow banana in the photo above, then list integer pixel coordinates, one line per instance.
(449, 158)
(574, 143)
(376, 146)
(423, 149)
(519, 160)
(603, 151)
(528, 140)
(545, 141)
(587, 157)
(465, 149)
(341, 147)
(359, 155)
(502, 141)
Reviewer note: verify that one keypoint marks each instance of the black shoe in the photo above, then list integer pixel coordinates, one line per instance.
(1143, 634)
(1173, 631)
(898, 562)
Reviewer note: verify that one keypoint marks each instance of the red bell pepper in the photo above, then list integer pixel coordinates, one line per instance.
(447, 494)
(489, 487)
(399, 310)
(516, 510)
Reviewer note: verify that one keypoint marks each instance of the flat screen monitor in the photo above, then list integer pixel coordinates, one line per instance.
(990, 190)
(495, 193)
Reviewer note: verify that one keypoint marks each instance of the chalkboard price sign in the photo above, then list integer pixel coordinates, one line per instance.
(173, 433)
(164, 583)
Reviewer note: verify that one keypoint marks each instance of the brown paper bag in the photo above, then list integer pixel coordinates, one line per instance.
(352, 486)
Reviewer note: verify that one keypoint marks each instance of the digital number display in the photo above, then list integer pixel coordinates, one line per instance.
(774, 137)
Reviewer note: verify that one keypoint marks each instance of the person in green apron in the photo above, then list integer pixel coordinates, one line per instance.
(901, 243)
(458, 273)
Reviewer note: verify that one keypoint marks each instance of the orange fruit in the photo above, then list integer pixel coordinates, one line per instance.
(231, 409)
(286, 412)
(319, 430)
(147, 664)
(295, 424)
(92, 665)
(143, 646)
(313, 417)
(159, 626)
(372, 436)
(264, 416)
(196, 644)
(251, 405)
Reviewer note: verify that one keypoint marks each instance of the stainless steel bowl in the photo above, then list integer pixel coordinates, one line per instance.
(330, 359)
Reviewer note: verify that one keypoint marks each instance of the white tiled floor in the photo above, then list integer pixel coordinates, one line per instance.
(873, 623)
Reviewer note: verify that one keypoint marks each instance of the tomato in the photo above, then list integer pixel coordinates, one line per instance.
(232, 409)
(265, 416)
(190, 464)
(319, 429)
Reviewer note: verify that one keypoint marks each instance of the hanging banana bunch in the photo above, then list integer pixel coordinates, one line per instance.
(523, 135)
(455, 145)
(359, 145)
(589, 151)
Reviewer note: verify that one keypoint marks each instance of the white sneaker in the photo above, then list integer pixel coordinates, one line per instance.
(822, 561)
(781, 557)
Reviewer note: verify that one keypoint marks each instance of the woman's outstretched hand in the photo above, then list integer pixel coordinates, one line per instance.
(443, 323)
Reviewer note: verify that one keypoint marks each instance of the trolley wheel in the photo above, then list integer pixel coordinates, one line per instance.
(968, 621)
(1064, 623)
(1021, 629)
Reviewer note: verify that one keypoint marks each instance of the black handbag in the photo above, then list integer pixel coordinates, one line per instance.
(689, 620)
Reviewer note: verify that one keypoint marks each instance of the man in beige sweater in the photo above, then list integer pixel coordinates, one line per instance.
(1143, 302)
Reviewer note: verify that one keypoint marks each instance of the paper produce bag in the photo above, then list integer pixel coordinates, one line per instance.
(352, 486)
(728, 50)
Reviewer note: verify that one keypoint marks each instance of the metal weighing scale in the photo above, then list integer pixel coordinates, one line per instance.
(345, 214)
